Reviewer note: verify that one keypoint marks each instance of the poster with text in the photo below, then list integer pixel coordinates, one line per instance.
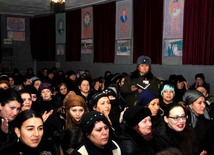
(87, 23)
(15, 24)
(124, 19)
(173, 18)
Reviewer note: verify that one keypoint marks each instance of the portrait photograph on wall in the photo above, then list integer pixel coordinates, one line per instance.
(123, 47)
(123, 19)
(173, 47)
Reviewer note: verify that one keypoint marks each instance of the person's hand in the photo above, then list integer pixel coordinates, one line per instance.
(121, 114)
(203, 152)
(46, 115)
(133, 88)
(186, 85)
(4, 125)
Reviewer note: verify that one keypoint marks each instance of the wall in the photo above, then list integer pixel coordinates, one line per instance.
(19, 51)
(21, 58)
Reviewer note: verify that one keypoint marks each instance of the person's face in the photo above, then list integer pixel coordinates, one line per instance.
(199, 81)
(73, 77)
(46, 94)
(84, 86)
(77, 112)
(10, 110)
(168, 95)
(103, 105)
(198, 106)
(178, 122)
(45, 72)
(154, 106)
(99, 135)
(31, 132)
(27, 82)
(11, 81)
(180, 85)
(4, 86)
(202, 90)
(122, 82)
(124, 13)
(27, 101)
(143, 68)
(63, 90)
(37, 83)
(145, 126)
(51, 75)
(33, 97)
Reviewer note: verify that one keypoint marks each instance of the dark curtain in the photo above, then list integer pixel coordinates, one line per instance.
(104, 32)
(0, 43)
(42, 38)
(148, 29)
(73, 35)
(198, 32)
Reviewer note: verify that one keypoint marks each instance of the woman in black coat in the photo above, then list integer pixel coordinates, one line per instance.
(136, 136)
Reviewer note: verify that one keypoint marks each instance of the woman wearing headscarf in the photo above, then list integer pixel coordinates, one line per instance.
(75, 107)
(199, 119)
(95, 127)
(151, 100)
(136, 135)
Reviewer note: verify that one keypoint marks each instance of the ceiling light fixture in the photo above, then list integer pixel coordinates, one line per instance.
(58, 1)
(57, 5)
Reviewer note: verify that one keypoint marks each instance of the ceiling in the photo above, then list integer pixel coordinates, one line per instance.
(39, 7)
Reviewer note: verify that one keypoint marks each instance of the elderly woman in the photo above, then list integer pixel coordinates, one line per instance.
(136, 138)
(199, 119)
(96, 132)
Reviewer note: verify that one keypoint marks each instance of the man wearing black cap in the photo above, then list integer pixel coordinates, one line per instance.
(142, 76)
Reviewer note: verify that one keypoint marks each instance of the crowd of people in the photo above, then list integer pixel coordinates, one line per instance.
(71, 113)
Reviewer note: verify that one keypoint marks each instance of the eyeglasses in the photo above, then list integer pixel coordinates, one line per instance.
(177, 118)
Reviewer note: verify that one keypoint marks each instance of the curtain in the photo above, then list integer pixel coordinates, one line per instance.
(148, 29)
(42, 33)
(104, 32)
(198, 32)
(0, 44)
(73, 35)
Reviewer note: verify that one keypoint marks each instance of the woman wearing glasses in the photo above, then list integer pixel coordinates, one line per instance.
(175, 133)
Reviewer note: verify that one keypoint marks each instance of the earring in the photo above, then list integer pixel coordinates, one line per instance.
(18, 140)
